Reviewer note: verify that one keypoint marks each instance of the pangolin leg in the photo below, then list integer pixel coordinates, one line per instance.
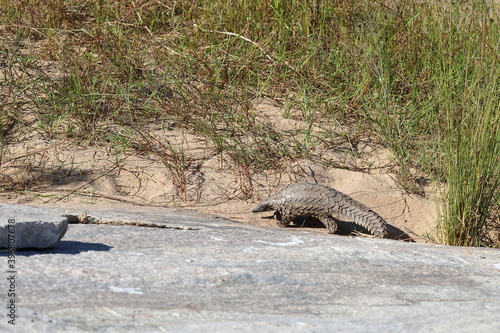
(283, 220)
(330, 224)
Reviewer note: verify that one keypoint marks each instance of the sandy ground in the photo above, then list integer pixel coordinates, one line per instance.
(37, 170)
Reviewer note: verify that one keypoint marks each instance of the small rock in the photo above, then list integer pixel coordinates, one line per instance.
(30, 227)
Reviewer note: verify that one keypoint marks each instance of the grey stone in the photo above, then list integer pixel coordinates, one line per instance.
(200, 273)
(30, 227)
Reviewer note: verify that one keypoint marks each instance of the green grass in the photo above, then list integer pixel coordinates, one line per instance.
(420, 78)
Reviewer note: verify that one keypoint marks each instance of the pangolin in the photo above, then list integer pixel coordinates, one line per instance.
(323, 203)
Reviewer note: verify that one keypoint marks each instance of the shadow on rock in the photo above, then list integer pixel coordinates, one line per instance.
(64, 247)
(349, 228)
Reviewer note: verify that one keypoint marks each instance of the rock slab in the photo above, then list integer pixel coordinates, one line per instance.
(30, 227)
(163, 270)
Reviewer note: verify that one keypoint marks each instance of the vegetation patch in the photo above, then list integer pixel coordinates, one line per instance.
(181, 82)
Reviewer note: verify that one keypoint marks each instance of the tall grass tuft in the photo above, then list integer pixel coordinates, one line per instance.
(472, 158)
(470, 99)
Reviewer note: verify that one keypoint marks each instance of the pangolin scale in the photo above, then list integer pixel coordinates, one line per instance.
(323, 203)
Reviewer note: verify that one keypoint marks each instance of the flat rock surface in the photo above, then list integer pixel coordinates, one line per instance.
(30, 227)
(200, 273)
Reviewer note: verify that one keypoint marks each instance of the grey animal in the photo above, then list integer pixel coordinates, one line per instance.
(323, 203)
